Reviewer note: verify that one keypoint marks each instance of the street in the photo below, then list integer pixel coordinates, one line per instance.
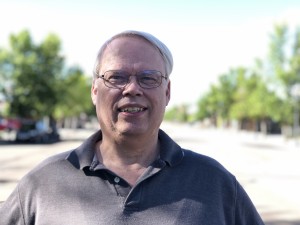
(267, 166)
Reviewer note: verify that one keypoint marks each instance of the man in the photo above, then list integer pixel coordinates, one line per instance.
(130, 171)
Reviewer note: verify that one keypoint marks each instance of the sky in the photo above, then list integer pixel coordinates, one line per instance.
(206, 38)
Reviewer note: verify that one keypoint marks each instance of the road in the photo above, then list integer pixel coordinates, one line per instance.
(268, 167)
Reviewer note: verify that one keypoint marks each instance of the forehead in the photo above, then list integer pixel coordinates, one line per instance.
(127, 45)
(133, 40)
(131, 50)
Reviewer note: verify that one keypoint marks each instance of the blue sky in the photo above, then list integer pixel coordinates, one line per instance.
(207, 38)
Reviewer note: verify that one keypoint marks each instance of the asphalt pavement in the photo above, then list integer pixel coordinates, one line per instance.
(267, 166)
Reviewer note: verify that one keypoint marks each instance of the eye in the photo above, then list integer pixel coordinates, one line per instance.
(148, 79)
(117, 77)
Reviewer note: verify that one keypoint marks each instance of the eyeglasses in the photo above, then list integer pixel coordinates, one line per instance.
(119, 79)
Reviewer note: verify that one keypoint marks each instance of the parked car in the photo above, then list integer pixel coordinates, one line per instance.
(35, 132)
(9, 124)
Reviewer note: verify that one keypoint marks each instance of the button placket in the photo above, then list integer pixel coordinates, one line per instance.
(121, 187)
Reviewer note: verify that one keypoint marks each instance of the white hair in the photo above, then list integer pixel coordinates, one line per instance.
(161, 47)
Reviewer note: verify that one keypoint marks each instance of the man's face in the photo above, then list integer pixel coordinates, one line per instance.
(117, 108)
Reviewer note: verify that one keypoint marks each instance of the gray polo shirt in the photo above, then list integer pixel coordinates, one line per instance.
(181, 187)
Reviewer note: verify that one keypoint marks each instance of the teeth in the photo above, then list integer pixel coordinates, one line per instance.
(132, 109)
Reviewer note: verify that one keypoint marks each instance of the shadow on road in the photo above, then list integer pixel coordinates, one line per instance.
(75, 139)
(262, 146)
(65, 135)
(4, 142)
(3, 181)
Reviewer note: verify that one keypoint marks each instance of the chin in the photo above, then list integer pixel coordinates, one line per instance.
(133, 130)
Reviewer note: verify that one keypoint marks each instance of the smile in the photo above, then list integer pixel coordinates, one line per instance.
(132, 109)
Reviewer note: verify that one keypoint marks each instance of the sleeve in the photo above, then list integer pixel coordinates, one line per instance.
(10, 210)
(245, 211)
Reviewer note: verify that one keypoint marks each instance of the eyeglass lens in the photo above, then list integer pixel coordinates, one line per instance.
(119, 79)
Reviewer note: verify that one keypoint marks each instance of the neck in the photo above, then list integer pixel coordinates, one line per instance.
(128, 158)
(131, 150)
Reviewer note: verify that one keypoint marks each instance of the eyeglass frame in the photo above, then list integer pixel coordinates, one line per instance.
(128, 79)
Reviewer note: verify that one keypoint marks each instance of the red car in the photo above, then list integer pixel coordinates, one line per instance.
(9, 124)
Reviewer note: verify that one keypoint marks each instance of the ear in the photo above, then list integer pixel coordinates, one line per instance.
(94, 91)
(168, 93)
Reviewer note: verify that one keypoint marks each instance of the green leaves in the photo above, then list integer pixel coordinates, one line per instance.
(262, 92)
(75, 94)
(34, 81)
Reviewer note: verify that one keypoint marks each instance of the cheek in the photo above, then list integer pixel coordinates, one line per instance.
(106, 99)
(103, 107)
(165, 96)
(103, 101)
(160, 102)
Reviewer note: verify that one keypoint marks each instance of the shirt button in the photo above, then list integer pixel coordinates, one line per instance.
(117, 179)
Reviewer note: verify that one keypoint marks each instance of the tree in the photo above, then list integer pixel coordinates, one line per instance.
(241, 94)
(225, 95)
(284, 56)
(217, 102)
(36, 83)
(254, 102)
(208, 106)
(177, 113)
(33, 72)
(74, 95)
(284, 63)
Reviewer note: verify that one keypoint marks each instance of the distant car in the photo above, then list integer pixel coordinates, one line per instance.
(3, 124)
(35, 132)
(9, 124)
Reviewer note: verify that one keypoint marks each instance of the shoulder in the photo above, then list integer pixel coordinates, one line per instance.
(51, 166)
(55, 159)
(205, 160)
(63, 164)
(206, 165)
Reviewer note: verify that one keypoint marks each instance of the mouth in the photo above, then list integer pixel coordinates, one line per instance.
(132, 109)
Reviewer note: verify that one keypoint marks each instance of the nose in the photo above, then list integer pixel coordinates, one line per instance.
(132, 87)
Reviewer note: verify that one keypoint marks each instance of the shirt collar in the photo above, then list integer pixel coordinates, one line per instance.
(83, 156)
(170, 151)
